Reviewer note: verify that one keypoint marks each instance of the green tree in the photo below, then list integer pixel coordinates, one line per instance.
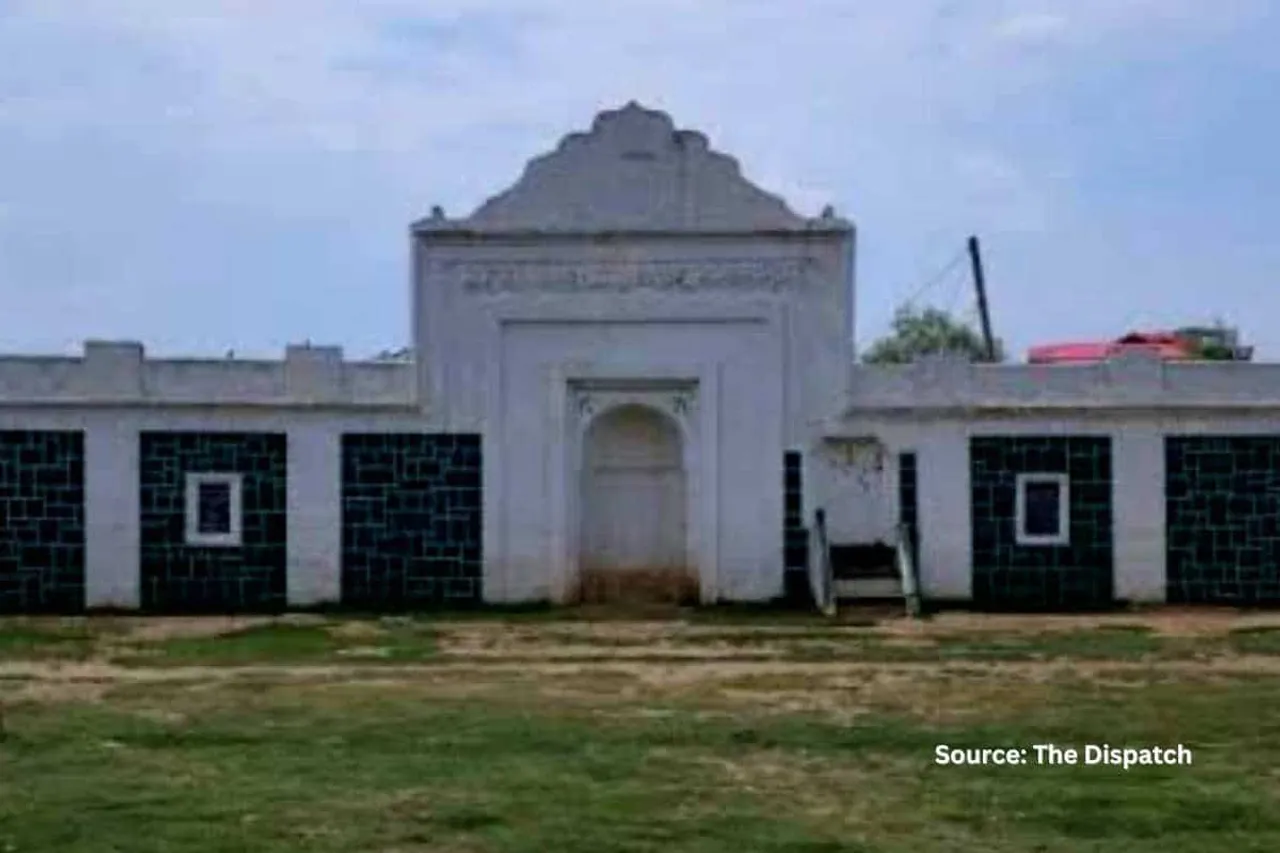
(916, 332)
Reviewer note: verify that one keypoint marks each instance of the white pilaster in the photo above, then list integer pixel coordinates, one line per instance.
(1137, 458)
(111, 496)
(946, 533)
(314, 563)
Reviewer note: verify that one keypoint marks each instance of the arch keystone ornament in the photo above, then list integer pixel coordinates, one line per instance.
(678, 401)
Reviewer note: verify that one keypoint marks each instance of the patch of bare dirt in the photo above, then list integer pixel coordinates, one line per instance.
(367, 652)
(357, 630)
(839, 689)
(657, 637)
(51, 692)
(591, 652)
(161, 628)
(746, 662)
(161, 715)
(679, 674)
(1167, 621)
(1198, 622)
(844, 794)
(641, 640)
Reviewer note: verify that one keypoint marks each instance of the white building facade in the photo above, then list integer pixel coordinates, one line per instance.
(633, 377)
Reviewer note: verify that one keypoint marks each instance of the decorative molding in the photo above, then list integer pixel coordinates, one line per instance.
(635, 171)
(678, 400)
(603, 384)
(686, 276)
(585, 405)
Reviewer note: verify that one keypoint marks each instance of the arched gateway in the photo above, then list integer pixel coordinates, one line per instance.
(634, 503)
(639, 334)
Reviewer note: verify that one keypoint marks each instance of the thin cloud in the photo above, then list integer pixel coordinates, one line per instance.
(1032, 27)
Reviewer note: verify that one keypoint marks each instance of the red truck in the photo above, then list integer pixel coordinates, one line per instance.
(1181, 345)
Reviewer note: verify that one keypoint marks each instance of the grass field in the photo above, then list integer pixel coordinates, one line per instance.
(701, 732)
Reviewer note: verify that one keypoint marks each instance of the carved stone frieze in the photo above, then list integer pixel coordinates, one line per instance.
(680, 402)
(497, 277)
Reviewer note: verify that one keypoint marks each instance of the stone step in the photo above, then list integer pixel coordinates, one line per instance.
(883, 571)
(869, 588)
(863, 561)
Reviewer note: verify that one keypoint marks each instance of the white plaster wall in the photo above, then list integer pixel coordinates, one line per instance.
(1138, 468)
(761, 317)
(819, 348)
(942, 460)
(1138, 495)
(735, 371)
(118, 373)
(111, 496)
(634, 250)
(314, 557)
(942, 466)
(858, 482)
(314, 523)
(1133, 381)
(463, 280)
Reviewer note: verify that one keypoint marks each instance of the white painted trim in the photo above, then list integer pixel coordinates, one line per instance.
(618, 384)
(563, 482)
(709, 480)
(1063, 482)
(495, 570)
(233, 537)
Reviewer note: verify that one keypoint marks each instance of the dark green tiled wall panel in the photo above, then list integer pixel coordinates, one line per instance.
(1222, 519)
(795, 535)
(909, 501)
(1010, 576)
(179, 578)
(42, 536)
(411, 520)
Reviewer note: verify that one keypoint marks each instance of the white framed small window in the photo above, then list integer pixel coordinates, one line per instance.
(1042, 509)
(213, 509)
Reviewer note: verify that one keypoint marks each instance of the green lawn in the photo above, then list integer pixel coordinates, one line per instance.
(696, 734)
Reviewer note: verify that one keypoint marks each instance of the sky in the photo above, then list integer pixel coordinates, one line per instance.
(213, 175)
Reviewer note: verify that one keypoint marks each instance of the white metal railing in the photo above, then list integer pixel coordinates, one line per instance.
(907, 571)
(821, 583)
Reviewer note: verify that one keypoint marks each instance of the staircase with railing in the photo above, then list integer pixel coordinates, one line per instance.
(876, 572)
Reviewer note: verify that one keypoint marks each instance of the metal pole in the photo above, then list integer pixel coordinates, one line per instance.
(980, 285)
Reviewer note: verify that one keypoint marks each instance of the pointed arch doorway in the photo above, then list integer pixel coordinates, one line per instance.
(634, 510)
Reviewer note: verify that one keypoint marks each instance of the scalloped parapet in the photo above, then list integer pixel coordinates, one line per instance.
(633, 171)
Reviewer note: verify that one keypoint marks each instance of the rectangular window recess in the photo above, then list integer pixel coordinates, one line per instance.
(214, 509)
(1043, 509)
